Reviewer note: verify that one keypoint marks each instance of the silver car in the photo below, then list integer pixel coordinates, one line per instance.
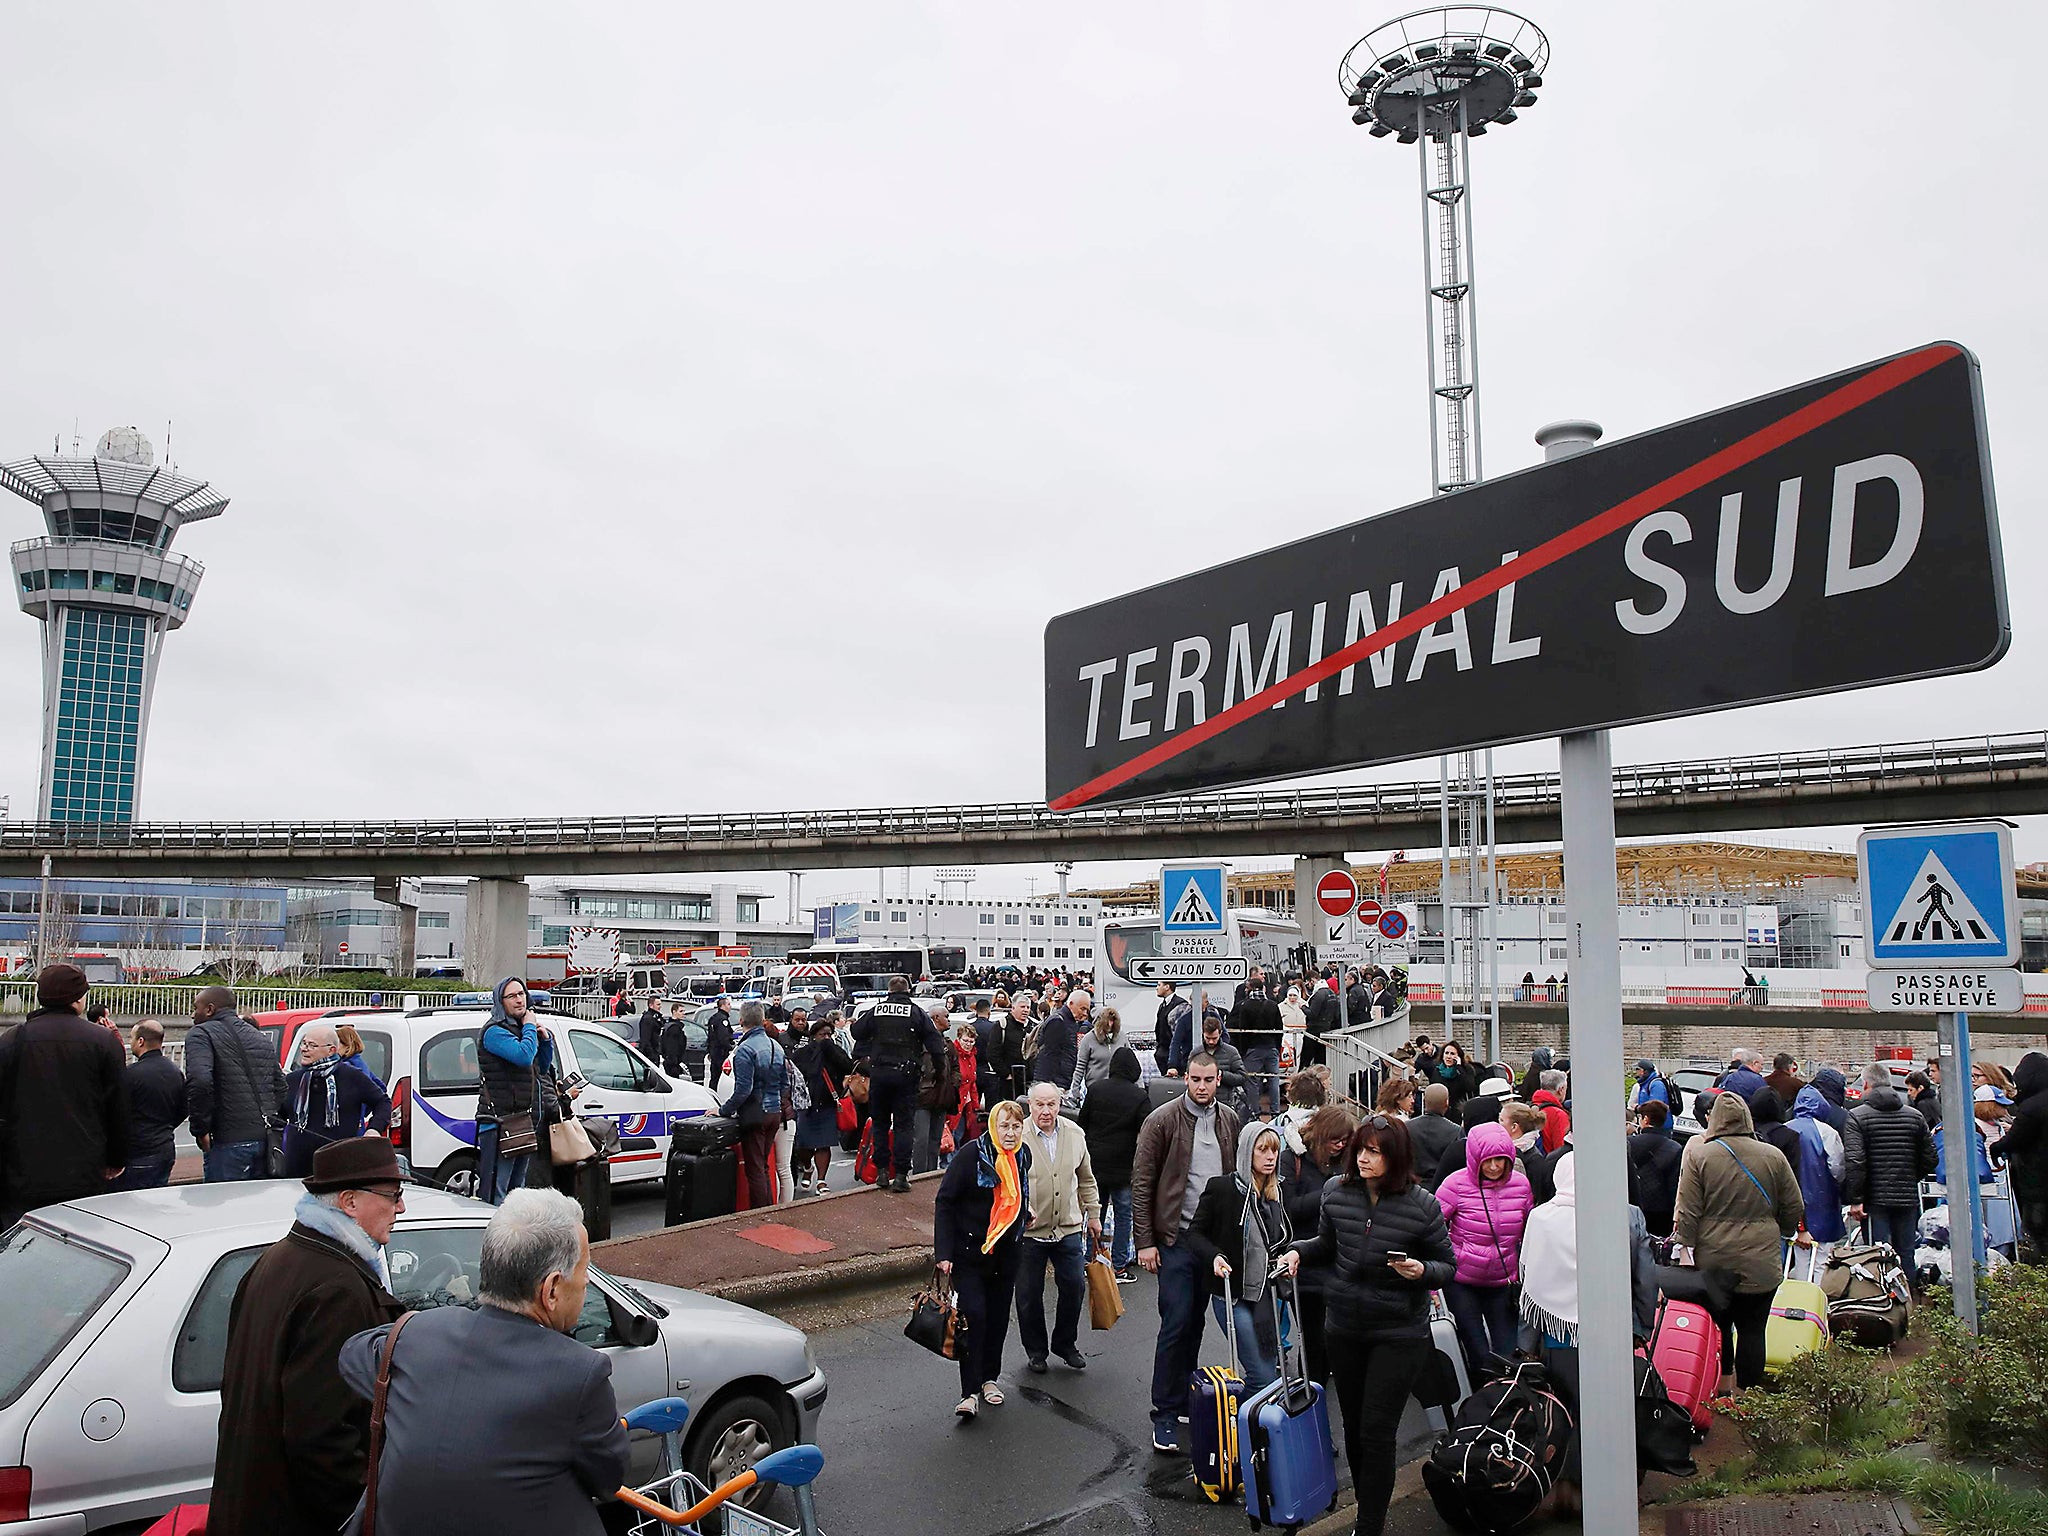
(116, 1330)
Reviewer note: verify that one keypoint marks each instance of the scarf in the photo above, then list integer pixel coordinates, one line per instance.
(1550, 1260)
(319, 1072)
(1000, 1170)
(339, 1227)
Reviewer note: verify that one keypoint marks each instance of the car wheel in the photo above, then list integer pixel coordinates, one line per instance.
(731, 1438)
(458, 1175)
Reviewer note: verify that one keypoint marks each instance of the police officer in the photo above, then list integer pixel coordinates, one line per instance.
(890, 1038)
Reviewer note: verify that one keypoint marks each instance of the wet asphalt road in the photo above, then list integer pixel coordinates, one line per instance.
(1067, 1452)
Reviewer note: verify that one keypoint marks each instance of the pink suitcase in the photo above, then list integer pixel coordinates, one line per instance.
(1686, 1349)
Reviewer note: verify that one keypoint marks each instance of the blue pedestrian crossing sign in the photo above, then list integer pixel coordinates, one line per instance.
(1939, 893)
(1191, 898)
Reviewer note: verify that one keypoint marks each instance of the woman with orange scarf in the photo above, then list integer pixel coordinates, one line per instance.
(978, 1221)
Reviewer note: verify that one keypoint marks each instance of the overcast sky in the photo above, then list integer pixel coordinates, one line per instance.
(656, 407)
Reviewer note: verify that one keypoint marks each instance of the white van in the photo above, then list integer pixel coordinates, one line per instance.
(428, 1058)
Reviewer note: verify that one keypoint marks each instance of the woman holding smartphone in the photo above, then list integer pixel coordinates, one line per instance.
(1383, 1237)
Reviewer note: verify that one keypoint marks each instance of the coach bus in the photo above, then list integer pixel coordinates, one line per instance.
(868, 967)
(1260, 937)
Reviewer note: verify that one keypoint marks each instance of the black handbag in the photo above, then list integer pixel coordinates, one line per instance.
(935, 1323)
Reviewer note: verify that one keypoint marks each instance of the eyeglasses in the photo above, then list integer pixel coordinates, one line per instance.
(395, 1194)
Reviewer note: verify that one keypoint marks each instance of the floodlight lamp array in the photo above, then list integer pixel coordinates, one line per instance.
(1446, 70)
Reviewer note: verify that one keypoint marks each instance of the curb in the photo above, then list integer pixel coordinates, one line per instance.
(859, 1273)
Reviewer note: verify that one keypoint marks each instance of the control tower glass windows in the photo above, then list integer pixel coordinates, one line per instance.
(109, 523)
(99, 716)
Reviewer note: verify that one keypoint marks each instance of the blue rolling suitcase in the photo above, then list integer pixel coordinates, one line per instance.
(1289, 1465)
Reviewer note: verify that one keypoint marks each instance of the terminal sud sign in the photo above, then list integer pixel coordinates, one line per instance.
(1832, 536)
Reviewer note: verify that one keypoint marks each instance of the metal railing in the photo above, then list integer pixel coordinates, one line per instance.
(172, 1001)
(1973, 757)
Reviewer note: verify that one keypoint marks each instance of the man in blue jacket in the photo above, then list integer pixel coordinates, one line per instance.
(758, 1070)
(515, 1051)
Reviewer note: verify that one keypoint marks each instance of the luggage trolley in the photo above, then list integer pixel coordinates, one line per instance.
(676, 1501)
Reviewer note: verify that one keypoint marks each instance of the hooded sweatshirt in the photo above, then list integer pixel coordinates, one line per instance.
(1234, 1220)
(2025, 1147)
(1486, 1217)
(1834, 1092)
(512, 1055)
(1737, 1199)
(1557, 1125)
(1820, 1166)
(1539, 1063)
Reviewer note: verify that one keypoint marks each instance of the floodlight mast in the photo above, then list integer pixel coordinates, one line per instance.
(1438, 79)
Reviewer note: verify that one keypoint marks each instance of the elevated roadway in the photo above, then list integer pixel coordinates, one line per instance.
(1974, 776)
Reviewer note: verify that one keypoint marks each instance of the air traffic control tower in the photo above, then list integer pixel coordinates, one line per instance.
(107, 588)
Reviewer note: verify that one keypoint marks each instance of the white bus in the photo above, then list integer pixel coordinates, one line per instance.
(1263, 938)
(868, 967)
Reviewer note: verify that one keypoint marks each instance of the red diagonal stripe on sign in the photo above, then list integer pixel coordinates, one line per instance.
(1829, 407)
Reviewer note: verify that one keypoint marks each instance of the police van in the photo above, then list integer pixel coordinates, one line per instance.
(427, 1058)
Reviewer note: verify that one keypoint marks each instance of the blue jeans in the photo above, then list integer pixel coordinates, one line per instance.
(1116, 1222)
(1486, 1322)
(1258, 1344)
(497, 1177)
(1898, 1225)
(1181, 1291)
(1262, 1073)
(233, 1161)
(1069, 1260)
(145, 1173)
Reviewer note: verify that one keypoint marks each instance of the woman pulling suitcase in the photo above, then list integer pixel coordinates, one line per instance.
(1384, 1237)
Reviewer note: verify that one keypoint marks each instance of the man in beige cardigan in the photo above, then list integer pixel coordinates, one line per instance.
(1064, 1226)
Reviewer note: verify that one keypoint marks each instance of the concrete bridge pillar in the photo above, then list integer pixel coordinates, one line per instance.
(1308, 869)
(494, 933)
(404, 895)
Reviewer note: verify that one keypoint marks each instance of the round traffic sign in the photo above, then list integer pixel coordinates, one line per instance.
(1337, 892)
(1393, 925)
(342, 947)
(1368, 912)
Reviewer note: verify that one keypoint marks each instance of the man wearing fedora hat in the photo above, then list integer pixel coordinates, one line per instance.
(293, 1438)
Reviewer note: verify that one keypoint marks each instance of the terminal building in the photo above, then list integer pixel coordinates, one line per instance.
(107, 589)
(1051, 931)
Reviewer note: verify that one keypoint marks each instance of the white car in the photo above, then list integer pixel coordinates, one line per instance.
(116, 1333)
(427, 1058)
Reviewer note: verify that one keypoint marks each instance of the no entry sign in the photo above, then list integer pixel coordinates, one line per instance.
(1368, 912)
(1831, 536)
(1337, 892)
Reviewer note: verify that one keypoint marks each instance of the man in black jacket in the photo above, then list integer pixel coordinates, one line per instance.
(1887, 1150)
(66, 1099)
(1322, 1012)
(1433, 1133)
(234, 1085)
(650, 1030)
(893, 1037)
(1358, 998)
(1255, 1028)
(1162, 1025)
(1653, 1156)
(156, 1107)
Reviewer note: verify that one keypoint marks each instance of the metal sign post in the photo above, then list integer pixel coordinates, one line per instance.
(1607, 1423)
(1959, 1171)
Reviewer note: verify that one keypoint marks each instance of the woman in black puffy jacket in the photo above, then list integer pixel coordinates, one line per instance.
(1383, 1235)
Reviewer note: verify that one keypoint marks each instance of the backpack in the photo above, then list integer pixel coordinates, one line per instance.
(798, 1089)
(1031, 1039)
(1502, 1455)
(1869, 1298)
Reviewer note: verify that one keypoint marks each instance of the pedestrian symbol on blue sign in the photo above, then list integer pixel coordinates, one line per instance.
(1939, 894)
(1191, 898)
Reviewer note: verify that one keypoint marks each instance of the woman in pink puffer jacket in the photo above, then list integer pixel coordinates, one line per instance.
(1486, 1204)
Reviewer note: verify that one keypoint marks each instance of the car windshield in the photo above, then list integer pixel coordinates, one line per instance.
(435, 1266)
(52, 1287)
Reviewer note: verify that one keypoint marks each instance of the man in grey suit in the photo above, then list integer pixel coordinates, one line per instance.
(496, 1420)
